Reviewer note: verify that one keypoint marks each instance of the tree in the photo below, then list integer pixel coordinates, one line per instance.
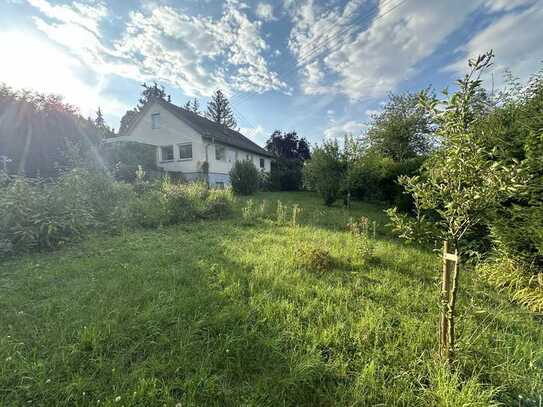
(101, 126)
(127, 119)
(219, 110)
(290, 151)
(195, 106)
(150, 93)
(459, 184)
(515, 129)
(36, 130)
(324, 172)
(192, 106)
(244, 177)
(402, 130)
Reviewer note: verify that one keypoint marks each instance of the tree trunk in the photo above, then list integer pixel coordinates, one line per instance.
(449, 290)
(445, 290)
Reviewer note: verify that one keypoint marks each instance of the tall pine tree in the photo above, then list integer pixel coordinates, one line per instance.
(219, 110)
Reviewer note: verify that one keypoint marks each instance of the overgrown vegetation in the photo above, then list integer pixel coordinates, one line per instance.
(217, 313)
(38, 213)
(290, 152)
(244, 177)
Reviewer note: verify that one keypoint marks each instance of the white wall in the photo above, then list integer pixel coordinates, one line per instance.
(171, 131)
(231, 153)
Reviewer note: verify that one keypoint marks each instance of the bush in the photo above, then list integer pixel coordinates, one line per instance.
(244, 177)
(35, 214)
(170, 203)
(312, 258)
(523, 286)
(374, 177)
(149, 209)
(324, 172)
(219, 203)
(40, 214)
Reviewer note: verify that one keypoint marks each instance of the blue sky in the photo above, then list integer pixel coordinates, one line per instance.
(319, 67)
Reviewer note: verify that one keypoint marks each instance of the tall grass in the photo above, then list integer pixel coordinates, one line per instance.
(218, 313)
(43, 214)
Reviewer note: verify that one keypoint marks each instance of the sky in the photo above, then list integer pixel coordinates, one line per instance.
(319, 67)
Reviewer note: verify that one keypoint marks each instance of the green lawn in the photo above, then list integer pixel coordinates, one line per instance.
(215, 313)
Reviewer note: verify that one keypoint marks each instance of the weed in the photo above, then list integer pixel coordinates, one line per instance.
(312, 258)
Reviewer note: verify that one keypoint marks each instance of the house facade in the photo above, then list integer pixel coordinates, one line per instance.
(186, 141)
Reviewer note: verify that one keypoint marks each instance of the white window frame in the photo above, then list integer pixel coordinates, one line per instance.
(179, 152)
(164, 159)
(155, 121)
(262, 163)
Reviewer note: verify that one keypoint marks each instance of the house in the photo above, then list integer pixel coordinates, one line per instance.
(185, 141)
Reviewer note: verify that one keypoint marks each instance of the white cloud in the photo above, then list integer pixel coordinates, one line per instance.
(265, 11)
(194, 53)
(258, 134)
(516, 41)
(372, 61)
(338, 130)
(372, 112)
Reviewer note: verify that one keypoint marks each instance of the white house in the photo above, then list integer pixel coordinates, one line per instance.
(185, 141)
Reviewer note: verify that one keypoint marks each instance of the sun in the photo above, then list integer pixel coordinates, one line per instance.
(32, 63)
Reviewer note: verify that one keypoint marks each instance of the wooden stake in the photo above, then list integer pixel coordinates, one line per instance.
(449, 289)
(445, 289)
(452, 306)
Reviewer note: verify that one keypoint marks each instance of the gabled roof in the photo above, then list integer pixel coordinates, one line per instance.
(207, 128)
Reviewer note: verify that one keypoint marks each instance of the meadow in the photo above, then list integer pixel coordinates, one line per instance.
(218, 312)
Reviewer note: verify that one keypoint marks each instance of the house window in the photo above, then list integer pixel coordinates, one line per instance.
(261, 163)
(219, 184)
(185, 151)
(166, 153)
(220, 152)
(249, 156)
(155, 120)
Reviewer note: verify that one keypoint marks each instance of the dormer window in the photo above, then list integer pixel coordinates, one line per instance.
(155, 121)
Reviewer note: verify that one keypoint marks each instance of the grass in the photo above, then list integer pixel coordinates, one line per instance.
(216, 313)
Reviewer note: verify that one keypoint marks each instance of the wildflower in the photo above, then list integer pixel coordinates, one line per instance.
(117, 399)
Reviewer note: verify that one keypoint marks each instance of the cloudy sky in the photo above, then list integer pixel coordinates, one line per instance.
(316, 66)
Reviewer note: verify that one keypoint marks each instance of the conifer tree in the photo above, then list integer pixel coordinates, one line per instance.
(219, 110)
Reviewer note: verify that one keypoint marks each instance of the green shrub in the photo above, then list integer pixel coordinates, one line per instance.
(169, 202)
(365, 249)
(219, 203)
(523, 286)
(35, 214)
(252, 212)
(40, 214)
(244, 177)
(324, 172)
(312, 258)
(149, 209)
(182, 201)
(363, 230)
(108, 200)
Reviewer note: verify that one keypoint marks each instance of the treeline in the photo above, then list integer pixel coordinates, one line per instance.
(397, 141)
(465, 167)
(40, 133)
